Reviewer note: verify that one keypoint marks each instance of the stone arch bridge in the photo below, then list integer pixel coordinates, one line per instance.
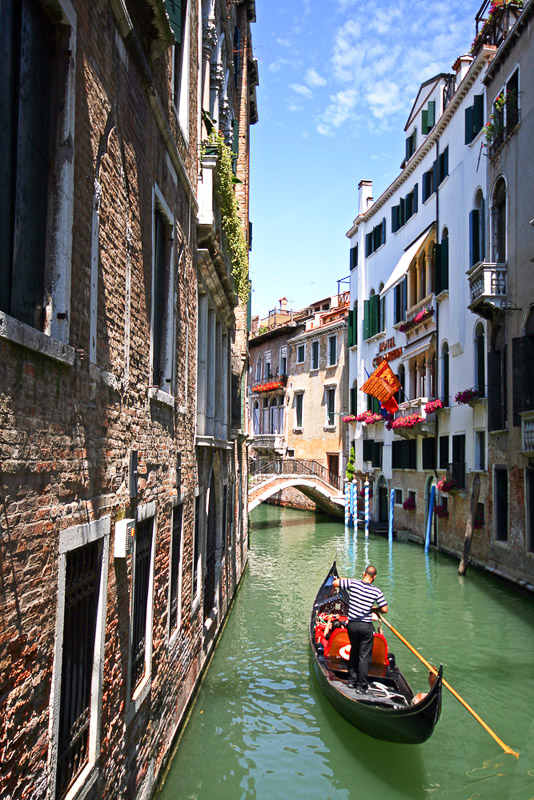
(266, 478)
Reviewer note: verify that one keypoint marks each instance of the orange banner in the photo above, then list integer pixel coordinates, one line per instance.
(382, 384)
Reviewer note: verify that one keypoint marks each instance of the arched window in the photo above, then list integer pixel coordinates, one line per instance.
(477, 233)
(382, 309)
(258, 369)
(480, 359)
(497, 384)
(445, 374)
(498, 223)
(441, 263)
(401, 393)
(423, 277)
(256, 417)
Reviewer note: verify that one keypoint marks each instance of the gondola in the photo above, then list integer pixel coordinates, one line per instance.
(389, 710)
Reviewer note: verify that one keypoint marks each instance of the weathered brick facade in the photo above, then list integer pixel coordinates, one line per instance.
(108, 374)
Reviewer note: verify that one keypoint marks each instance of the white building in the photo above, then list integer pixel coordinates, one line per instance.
(410, 250)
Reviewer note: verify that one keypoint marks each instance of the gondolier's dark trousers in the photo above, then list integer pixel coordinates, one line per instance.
(361, 648)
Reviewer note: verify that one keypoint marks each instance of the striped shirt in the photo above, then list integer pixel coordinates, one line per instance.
(362, 597)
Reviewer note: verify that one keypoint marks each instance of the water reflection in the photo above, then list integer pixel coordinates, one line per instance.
(261, 728)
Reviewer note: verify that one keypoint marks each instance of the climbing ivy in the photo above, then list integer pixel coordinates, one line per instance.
(231, 223)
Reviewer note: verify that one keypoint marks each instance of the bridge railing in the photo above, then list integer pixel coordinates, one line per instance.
(261, 467)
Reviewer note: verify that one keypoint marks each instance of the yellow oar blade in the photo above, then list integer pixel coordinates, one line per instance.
(447, 685)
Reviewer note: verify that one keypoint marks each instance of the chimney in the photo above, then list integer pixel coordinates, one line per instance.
(283, 303)
(365, 196)
(461, 67)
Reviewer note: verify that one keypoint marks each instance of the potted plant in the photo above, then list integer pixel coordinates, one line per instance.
(409, 504)
(433, 405)
(447, 485)
(467, 396)
(349, 418)
(441, 511)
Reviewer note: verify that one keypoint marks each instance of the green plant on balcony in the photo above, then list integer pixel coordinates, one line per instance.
(231, 223)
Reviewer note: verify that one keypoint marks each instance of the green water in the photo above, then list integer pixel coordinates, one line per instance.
(261, 727)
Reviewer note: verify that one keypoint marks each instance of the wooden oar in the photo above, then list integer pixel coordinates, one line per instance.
(453, 691)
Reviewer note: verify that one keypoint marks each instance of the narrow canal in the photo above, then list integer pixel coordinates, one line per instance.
(261, 728)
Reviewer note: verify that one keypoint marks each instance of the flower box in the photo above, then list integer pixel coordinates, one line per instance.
(441, 511)
(350, 418)
(411, 426)
(467, 397)
(433, 405)
(420, 317)
(447, 485)
(368, 418)
(409, 504)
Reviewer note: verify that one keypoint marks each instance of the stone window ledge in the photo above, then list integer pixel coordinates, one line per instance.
(24, 335)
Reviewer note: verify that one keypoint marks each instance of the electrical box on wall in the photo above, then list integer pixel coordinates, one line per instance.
(124, 537)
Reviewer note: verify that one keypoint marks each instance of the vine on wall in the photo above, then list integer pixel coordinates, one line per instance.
(230, 221)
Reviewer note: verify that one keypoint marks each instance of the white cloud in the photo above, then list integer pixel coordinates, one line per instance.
(284, 42)
(305, 91)
(339, 111)
(313, 78)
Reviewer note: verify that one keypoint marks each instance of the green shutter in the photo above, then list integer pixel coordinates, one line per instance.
(353, 257)
(174, 10)
(469, 124)
(383, 236)
(424, 123)
(353, 401)
(444, 257)
(437, 269)
(415, 198)
(394, 218)
(478, 113)
(350, 328)
(474, 237)
(366, 315)
(374, 307)
(431, 115)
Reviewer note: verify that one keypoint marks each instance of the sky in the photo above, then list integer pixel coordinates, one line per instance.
(337, 82)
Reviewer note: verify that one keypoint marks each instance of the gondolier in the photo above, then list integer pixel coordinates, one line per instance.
(362, 597)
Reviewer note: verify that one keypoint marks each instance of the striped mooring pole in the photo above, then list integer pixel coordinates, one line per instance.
(347, 504)
(391, 514)
(366, 507)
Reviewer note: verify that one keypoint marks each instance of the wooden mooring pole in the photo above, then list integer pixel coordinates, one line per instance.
(475, 492)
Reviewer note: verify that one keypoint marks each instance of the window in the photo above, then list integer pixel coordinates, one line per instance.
(400, 301)
(477, 231)
(529, 497)
(354, 399)
(480, 360)
(373, 404)
(497, 383)
(458, 459)
(429, 452)
(372, 452)
(441, 263)
(411, 143)
(258, 369)
(283, 362)
(352, 326)
(256, 425)
(500, 504)
(178, 18)
(445, 374)
(428, 117)
(175, 571)
(381, 309)
(443, 452)
(299, 402)
(141, 608)
(498, 223)
(398, 497)
(406, 208)
(512, 102)
(267, 366)
(375, 238)
(330, 396)
(80, 634)
(38, 80)
(301, 353)
(522, 372)
(353, 257)
(404, 454)
(162, 298)
(371, 315)
(480, 450)
(443, 165)
(197, 553)
(474, 118)
(332, 350)
(315, 355)
(429, 183)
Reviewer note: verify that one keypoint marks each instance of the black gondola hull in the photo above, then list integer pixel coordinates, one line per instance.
(410, 724)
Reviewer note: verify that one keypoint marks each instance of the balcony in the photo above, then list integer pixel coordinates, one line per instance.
(270, 441)
(272, 383)
(419, 317)
(494, 22)
(489, 288)
(410, 409)
(527, 433)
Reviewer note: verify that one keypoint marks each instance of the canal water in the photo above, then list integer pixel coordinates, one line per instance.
(261, 727)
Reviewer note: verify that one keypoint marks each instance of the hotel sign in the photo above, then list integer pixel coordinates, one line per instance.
(387, 351)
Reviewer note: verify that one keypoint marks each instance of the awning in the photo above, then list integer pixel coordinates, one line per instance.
(418, 347)
(405, 260)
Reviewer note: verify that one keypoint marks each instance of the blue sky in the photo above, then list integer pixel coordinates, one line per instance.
(337, 81)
